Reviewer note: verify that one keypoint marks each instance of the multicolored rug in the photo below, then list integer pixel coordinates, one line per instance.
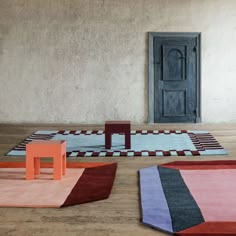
(82, 143)
(83, 182)
(190, 198)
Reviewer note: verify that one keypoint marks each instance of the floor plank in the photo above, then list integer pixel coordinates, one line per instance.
(118, 215)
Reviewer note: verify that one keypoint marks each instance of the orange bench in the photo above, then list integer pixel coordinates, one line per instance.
(43, 149)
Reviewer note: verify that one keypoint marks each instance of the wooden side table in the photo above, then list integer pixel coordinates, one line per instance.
(112, 127)
(42, 149)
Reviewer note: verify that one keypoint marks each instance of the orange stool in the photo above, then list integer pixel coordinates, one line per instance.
(41, 149)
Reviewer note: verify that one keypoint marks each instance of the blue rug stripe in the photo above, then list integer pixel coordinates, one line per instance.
(184, 210)
(155, 211)
(214, 152)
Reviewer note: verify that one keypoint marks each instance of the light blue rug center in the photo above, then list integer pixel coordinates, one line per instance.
(139, 142)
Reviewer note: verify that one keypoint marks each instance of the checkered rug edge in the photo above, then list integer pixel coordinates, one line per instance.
(202, 142)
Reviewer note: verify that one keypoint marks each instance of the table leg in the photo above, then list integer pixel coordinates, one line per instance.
(108, 140)
(127, 140)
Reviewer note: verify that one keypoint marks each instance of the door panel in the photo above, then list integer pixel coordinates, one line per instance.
(175, 79)
(174, 62)
(174, 102)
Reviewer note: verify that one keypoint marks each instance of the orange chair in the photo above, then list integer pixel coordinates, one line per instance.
(42, 149)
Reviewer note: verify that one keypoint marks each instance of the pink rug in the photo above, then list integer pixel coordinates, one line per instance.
(79, 185)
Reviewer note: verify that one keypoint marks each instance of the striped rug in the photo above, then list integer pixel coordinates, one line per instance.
(84, 143)
(190, 198)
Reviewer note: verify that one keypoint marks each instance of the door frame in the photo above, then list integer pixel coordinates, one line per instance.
(151, 72)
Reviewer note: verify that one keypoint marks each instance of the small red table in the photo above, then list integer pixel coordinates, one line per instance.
(112, 127)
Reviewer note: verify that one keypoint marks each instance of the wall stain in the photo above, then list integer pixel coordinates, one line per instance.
(3, 34)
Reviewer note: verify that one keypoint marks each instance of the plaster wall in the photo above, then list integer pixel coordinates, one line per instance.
(86, 61)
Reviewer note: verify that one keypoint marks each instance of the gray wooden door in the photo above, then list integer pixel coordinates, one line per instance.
(176, 79)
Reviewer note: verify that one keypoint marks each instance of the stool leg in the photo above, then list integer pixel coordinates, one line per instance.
(37, 165)
(108, 140)
(127, 140)
(29, 167)
(64, 164)
(57, 167)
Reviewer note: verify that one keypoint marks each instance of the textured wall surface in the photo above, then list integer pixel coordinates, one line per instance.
(85, 61)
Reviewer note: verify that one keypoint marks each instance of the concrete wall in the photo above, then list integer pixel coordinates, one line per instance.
(85, 61)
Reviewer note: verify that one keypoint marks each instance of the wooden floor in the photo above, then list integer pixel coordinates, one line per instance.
(118, 215)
